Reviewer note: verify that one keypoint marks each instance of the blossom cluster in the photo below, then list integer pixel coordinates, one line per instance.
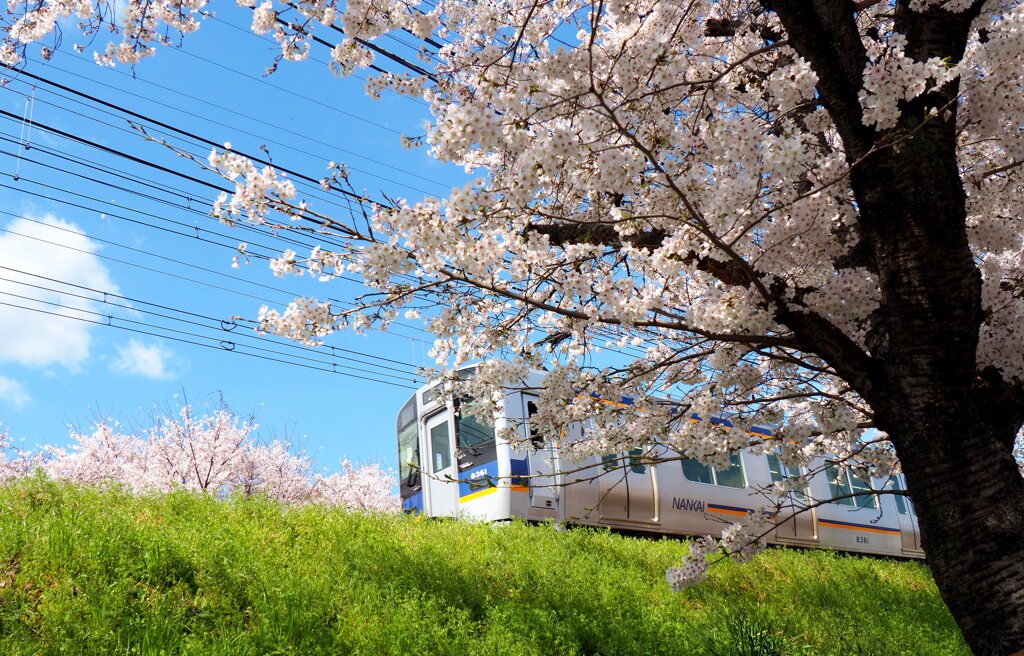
(258, 191)
(892, 77)
(695, 566)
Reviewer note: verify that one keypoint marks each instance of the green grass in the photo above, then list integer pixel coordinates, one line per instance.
(85, 571)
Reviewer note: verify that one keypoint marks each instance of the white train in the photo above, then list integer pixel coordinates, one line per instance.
(453, 466)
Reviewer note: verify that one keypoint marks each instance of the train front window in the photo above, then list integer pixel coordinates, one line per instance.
(408, 444)
(471, 432)
(408, 453)
(440, 447)
(731, 476)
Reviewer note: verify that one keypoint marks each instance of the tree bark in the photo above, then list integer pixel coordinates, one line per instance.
(969, 497)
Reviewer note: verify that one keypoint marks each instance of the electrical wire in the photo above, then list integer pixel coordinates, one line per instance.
(94, 166)
(219, 347)
(219, 322)
(166, 126)
(192, 233)
(233, 342)
(290, 294)
(144, 267)
(235, 128)
(138, 160)
(271, 41)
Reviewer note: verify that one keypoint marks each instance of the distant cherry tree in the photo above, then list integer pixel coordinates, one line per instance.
(107, 454)
(360, 488)
(803, 213)
(14, 461)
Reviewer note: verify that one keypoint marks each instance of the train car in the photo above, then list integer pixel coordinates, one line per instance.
(454, 466)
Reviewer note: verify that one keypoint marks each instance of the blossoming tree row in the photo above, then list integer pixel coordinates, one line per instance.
(213, 453)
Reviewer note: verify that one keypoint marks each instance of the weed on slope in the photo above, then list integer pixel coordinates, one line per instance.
(88, 571)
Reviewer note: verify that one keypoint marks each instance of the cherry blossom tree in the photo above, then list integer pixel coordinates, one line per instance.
(205, 453)
(16, 462)
(795, 212)
(107, 454)
(368, 488)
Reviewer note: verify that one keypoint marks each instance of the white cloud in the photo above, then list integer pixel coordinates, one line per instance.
(37, 339)
(12, 393)
(136, 358)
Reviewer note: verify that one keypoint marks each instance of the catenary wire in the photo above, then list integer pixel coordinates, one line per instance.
(186, 264)
(237, 129)
(150, 183)
(210, 346)
(233, 341)
(131, 299)
(166, 126)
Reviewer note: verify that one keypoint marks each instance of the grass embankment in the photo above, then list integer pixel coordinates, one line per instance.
(101, 572)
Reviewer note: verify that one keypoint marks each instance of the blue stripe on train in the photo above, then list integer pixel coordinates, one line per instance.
(478, 478)
(413, 504)
(757, 430)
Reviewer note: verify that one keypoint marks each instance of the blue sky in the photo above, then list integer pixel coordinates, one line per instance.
(116, 241)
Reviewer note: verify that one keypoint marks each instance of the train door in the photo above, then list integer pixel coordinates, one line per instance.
(628, 489)
(477, 456)
(543, 463)
(910, 533)
(442, 488)
(795, 522)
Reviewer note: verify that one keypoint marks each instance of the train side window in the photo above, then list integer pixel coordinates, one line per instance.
(733, 476)
(440, 447)
(635, 460)
(535, 437)
(903, 504)
(780, 472)
(863, 485)
(697, 472)
(847, 483)
(610, 461)
(838, 485)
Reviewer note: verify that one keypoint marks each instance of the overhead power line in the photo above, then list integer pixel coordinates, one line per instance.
(166, 126)
(236, 129)
(139, 266)
(290, 238)
(289, 294)
(228, 342)
(333, 370)
(216, 322)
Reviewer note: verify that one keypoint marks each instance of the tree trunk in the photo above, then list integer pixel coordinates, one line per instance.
(952, 421)
(969, 497)
(953, 425)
